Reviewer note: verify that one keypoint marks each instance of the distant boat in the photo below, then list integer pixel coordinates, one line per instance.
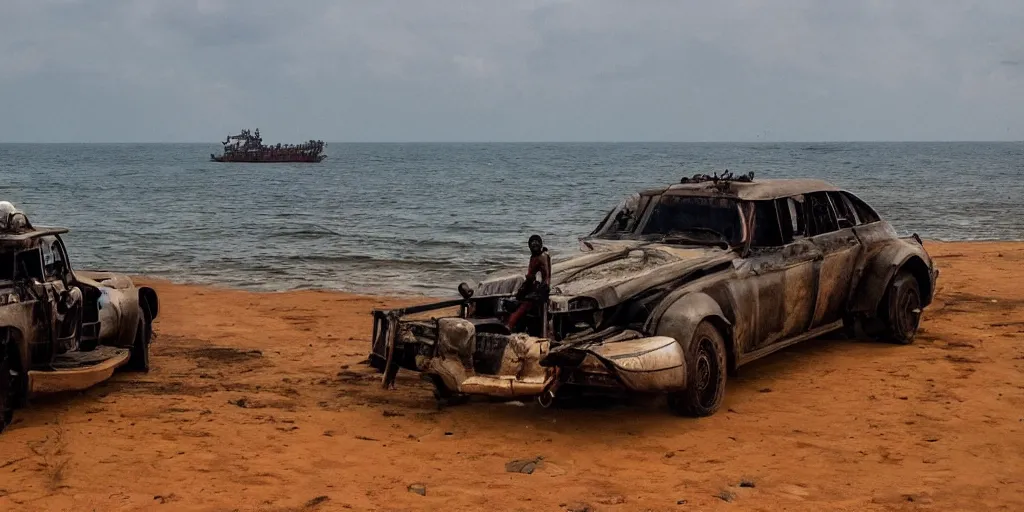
(248, 147)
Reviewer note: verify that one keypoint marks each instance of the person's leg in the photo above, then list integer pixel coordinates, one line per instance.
(513, 320)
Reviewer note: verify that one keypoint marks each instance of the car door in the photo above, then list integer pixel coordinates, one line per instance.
(66, 313)
(831, 224)
(784, 277)
(28, 273)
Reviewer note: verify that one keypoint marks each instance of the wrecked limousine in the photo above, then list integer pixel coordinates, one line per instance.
(675, 289)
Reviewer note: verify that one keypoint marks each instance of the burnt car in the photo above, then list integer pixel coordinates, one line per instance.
(675, 289)
(62, 329)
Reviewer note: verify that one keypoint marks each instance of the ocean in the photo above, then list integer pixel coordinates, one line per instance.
(420, 218)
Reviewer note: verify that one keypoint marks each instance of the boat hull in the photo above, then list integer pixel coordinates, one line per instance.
(268, 158)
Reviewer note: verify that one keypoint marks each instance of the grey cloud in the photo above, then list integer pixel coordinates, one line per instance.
(500, 70)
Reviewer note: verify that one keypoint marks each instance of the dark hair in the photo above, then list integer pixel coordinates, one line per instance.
(537, 238)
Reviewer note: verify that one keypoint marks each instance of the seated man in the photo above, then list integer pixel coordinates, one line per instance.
(533, 292)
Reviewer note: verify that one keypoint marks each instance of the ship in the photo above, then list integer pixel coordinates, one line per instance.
(248, 147)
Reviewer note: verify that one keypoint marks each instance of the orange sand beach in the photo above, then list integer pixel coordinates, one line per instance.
(258, 402)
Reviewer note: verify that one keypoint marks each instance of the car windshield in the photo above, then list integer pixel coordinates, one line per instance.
(695, 219)
(622, 219)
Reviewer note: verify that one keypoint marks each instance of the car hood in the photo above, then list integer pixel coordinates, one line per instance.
(104, 279)
(613, 272)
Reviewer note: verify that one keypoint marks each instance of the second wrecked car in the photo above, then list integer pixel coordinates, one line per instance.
(675, 289)
(62, 329)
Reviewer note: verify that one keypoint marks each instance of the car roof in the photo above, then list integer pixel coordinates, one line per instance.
(754, 190)
(36, 232)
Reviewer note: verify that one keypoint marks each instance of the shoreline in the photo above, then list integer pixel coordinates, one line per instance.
(394, 294)
(260, 401)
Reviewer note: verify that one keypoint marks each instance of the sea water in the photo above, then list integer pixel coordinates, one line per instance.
(420, 218)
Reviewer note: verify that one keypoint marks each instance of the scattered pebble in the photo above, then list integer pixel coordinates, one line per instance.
(746, 482)
(580, 507)
(316, 501)
(766, 390)
(418, 489)
(615, 499)
(526, 466)
(726, 496)
(391, 414)
(917, 498)
(165, 499)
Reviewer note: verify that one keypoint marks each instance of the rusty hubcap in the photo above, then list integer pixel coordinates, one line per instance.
(707, 373)
(907, 311)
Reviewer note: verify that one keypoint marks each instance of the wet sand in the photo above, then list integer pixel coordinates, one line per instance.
(259, 402)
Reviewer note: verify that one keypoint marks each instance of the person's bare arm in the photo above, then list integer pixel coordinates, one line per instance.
(546, 268)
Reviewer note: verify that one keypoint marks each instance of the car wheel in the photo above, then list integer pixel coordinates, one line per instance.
(705, 374)
(139, 360)
(901, 309)
(10, 386)
(444, 396)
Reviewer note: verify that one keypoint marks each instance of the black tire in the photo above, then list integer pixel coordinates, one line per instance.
(11, 383)
(444, 396)
(139, 360)
(706, 370)
(900, 310)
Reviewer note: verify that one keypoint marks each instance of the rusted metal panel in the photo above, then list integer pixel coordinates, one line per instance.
(841, 252)
(76, 379)
(655, 364)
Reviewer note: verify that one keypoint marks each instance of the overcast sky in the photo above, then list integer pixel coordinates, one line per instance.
(507, 70)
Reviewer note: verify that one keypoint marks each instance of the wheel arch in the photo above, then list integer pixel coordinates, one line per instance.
(882, 269)
(919, 269)
(148, 299)
(13, 339)
(681, 319)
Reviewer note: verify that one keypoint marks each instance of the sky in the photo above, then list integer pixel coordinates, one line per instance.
(508, 70)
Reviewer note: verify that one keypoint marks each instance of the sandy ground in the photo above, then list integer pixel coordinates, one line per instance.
(259, 402)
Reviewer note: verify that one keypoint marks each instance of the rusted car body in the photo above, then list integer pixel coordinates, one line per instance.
(62, 329)
(677, 288)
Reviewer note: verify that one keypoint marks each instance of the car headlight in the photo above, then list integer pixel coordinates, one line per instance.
(582, 304)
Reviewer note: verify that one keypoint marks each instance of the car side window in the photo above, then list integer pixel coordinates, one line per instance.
(767, 230)
(845, 217)
(865, 214)
(821, 217)
(53, 258)
(791, 218)
(28, 265)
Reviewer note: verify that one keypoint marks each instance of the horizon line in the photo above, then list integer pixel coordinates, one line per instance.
(823, 141)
